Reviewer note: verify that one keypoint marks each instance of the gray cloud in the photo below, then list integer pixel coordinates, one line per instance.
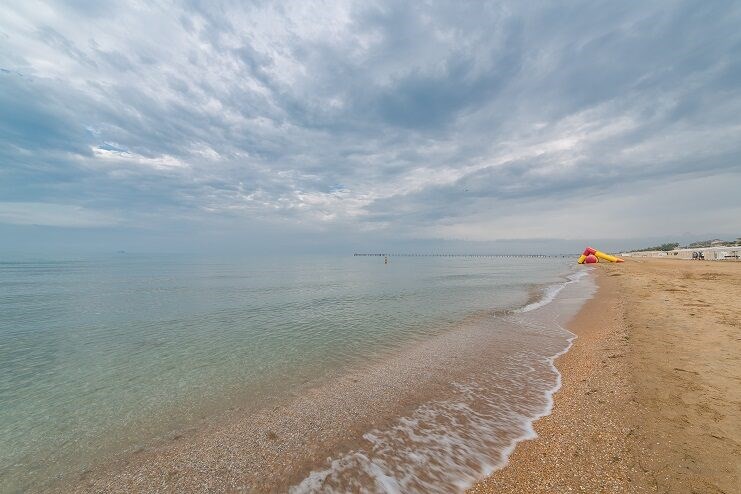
(400, 118)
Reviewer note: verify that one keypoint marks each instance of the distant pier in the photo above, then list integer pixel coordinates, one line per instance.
(360, 254)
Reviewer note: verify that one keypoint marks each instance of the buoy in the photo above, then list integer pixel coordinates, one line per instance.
(591, 259)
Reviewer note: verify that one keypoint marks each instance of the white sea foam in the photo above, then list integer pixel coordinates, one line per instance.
(551, 291)
(446, 445)
(443, 446)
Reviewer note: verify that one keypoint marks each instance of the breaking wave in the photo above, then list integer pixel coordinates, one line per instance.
(446, 445)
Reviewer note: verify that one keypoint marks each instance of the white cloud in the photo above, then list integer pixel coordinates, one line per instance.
(693, 204)
(127, 158)
(428, 115)
(49, 214)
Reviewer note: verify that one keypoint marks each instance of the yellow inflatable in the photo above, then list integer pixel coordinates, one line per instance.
(598, 254)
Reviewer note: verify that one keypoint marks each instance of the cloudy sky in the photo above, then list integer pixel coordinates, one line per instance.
(327, 121)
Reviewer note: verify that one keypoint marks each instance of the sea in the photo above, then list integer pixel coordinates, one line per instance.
(451, 359)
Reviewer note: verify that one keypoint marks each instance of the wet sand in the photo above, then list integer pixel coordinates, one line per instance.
(651, 397)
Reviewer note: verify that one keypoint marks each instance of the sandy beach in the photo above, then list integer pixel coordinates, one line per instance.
(649, 402)
(651, 397)
(332, 247)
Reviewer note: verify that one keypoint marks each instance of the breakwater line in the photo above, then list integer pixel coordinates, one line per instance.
(506, 256)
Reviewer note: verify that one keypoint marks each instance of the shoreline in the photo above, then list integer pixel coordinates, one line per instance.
(638, 402)
(546, 463)
(181, 354)
(549, 295)
(550, 311)
(275, 450)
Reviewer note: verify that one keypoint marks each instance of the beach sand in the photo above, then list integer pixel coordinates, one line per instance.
(651, 397)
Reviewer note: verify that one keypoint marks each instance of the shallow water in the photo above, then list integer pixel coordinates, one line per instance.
(448, 443)
(102, 355)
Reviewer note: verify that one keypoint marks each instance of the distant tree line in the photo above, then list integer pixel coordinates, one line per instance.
(715, 243)
(664, 247)
(694, 245)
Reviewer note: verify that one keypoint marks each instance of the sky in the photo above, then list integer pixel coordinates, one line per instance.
(167, 126)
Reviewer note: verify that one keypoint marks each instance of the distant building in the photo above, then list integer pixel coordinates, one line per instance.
(718, 253)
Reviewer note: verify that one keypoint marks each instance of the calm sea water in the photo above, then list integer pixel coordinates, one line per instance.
(102, 355)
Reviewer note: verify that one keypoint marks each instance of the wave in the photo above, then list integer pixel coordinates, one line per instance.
(551, 291)
(447, 445)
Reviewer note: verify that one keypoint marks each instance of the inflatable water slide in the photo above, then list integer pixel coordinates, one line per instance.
(591, 256)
